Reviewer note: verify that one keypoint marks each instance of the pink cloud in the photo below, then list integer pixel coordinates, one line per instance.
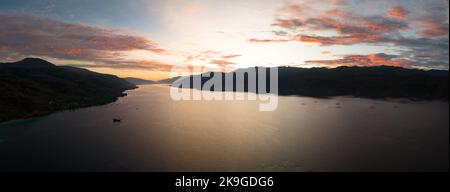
(432, 28)
(337, 13)
(3, 48)
(222, 62)
(231, 56)
(380, 59)
(397, 12)
(131, 65)
(31, 35)
(339, 3)
(339, 40)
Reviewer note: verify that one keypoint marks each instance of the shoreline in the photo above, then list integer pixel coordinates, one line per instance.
(65, 109)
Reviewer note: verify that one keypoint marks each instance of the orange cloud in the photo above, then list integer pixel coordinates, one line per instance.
(339, 40)
(131, 65)
(397, 12)
(231, 56)
(221, 62)
(380, 59)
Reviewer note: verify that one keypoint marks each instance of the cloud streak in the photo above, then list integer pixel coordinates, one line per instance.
(231, 56)
(397, 12)
(131, 65)
(222, 62)
(268, 40)
(379, 59)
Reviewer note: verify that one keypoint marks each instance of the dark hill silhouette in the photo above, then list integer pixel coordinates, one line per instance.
(169, 80)
(35, 87)
(138, 81)
(368, 82)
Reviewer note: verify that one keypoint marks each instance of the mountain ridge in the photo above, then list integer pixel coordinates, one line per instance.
(139, 81)
(377, 82)
(33, 87)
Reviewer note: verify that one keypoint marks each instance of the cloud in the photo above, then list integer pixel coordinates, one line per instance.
(280, 33)
(379, 24)
(419, 37)
(424, 52)
(397, 12)
(432, 28)
(231, 56)
(268, 40)
(130, 65)
(339, 3)
(433, 22)
(351, 26)
(338, 13)
(221, 62)
(209, 55)
(364, 60)
(288, 23)
(28, 35)
(339, 40)
(3, 48)
(37, 36)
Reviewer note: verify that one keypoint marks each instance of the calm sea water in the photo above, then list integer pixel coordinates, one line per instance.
(303, 134)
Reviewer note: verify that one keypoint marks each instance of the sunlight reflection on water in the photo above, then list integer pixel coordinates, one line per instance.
(303, 134)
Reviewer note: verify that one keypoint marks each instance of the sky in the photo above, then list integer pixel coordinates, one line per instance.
(148, 38)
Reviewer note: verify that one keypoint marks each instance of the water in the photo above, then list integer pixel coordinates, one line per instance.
(303, 134)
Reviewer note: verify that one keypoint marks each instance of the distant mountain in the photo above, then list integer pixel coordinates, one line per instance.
(169, 80)
(35, 87)
(137, 81)
(367, 82)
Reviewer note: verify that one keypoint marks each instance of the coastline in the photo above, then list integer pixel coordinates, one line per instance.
(79, 106)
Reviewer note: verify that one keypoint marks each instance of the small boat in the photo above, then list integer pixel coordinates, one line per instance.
(117, 120)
